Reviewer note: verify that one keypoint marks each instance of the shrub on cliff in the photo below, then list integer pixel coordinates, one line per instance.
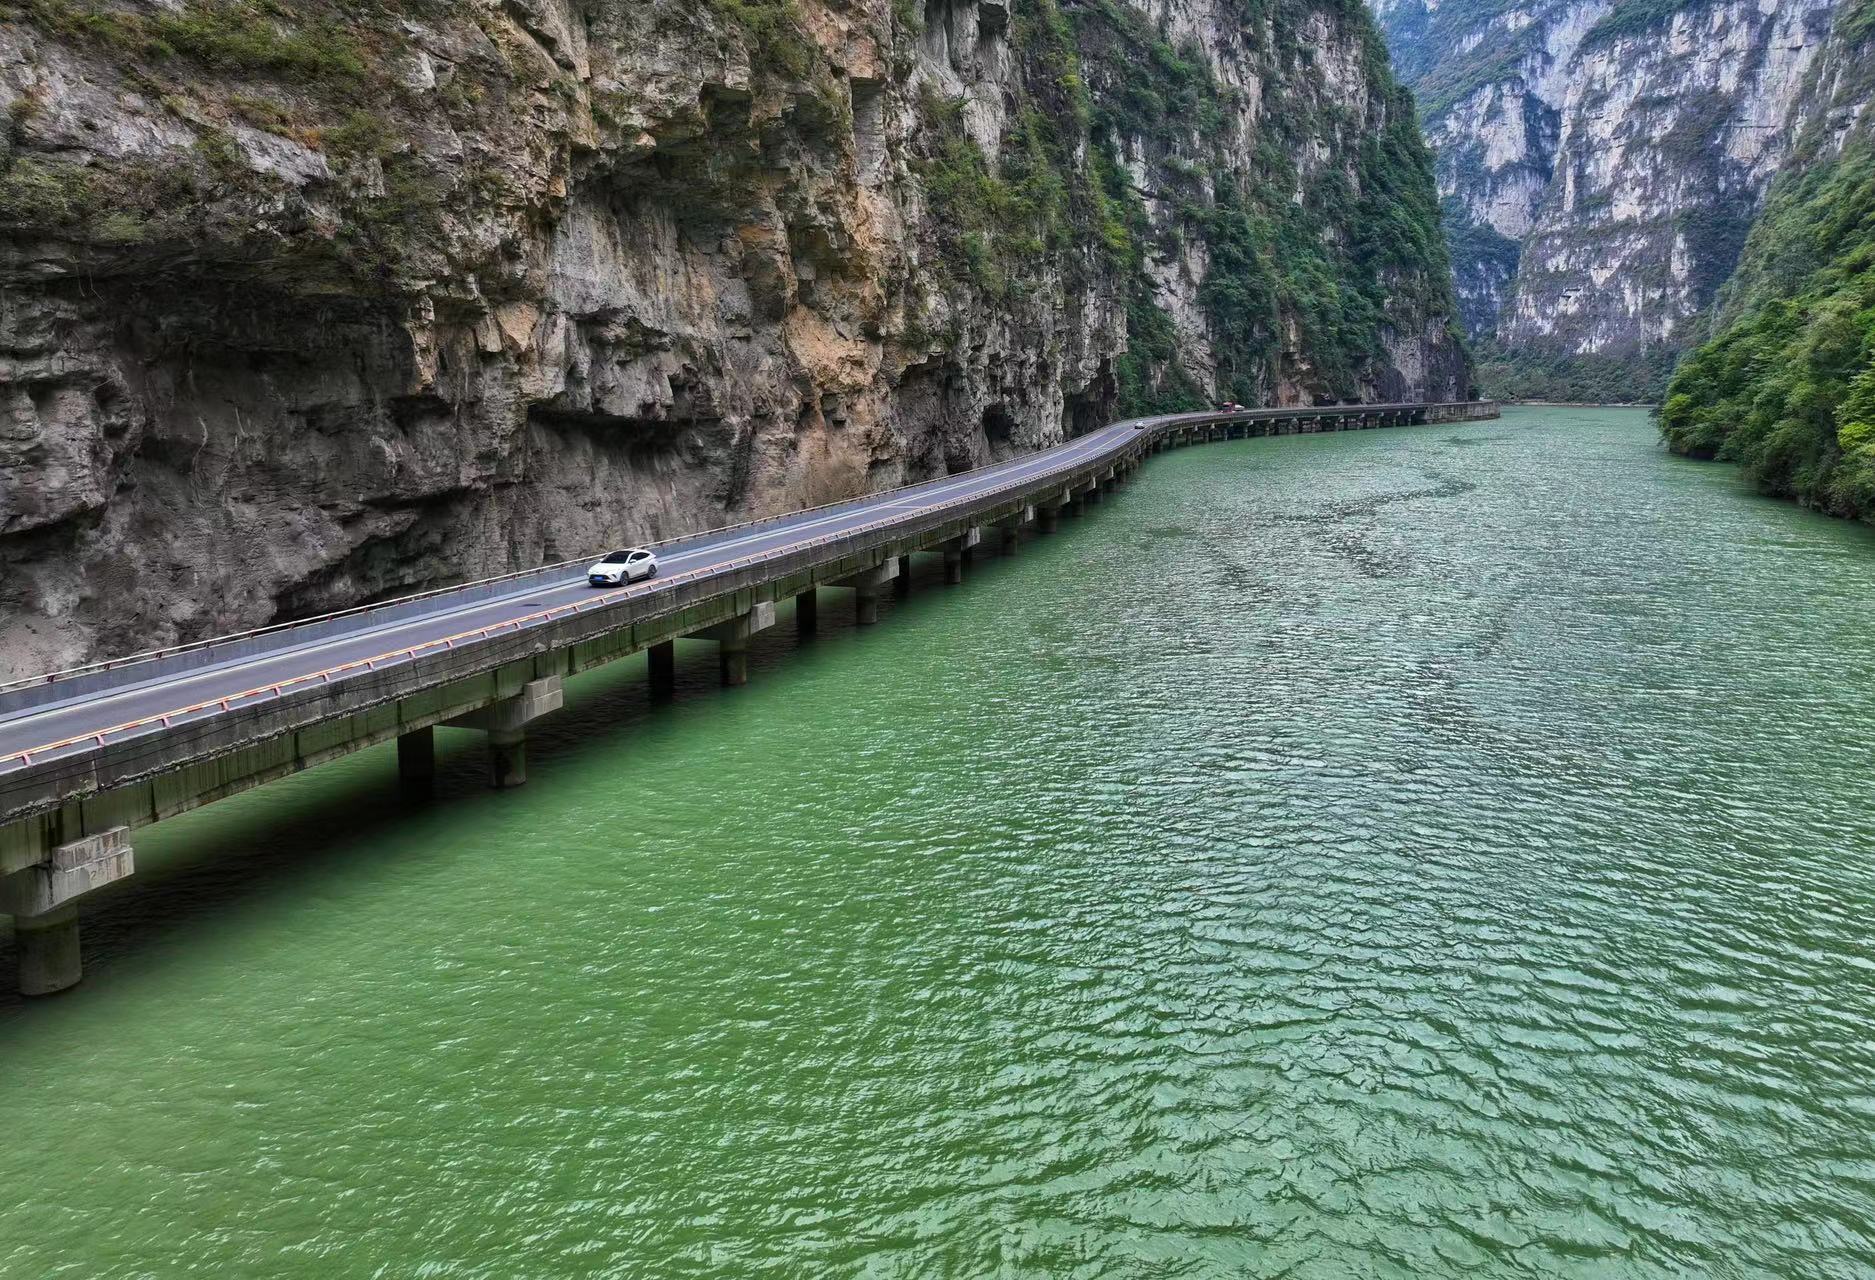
(1787, 385)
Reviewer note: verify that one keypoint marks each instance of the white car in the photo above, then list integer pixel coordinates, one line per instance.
(621, 567)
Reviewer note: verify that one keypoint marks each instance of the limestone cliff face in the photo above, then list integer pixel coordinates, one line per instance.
(1785, 384)
(1601, 161)
(311, 304)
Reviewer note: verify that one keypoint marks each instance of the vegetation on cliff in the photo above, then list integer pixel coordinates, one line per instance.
(1326, 263)
(1339, 254)
(1599, 183)
(1786, 384)
(1117, 154)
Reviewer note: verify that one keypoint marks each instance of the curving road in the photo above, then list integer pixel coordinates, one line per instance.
(290, 652)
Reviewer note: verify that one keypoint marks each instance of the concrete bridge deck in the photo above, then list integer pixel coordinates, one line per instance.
(89, 755)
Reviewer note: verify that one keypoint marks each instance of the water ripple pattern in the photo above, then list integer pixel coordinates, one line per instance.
(1426, 853)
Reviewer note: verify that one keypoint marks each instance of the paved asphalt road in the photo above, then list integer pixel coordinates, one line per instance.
(288, 657)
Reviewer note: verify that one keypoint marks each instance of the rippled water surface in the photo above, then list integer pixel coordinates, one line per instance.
(1413, 853)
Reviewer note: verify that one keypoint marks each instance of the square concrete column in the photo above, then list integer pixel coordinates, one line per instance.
(661, 668)
(416, 763)
(955, 549)
(732, 640)
(807, 612)
(1048, 517)
(505, 722)
(866, 586)
(1010, 531)
(507, 758)
(901, 583)
(41, 899)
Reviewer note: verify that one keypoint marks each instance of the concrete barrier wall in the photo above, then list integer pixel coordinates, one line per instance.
(130, 672)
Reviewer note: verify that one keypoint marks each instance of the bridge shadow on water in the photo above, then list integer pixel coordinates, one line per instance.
(298, 834)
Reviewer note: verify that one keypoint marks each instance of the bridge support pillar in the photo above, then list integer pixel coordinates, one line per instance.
(732, 640)
(42, 901)
(661, 668)
(507, 758)
(866, 587)
(1048, 517)
(807, 612)
(955, 549)
(1010, 531)
(416, 763)
(901, 581)
(506, 722)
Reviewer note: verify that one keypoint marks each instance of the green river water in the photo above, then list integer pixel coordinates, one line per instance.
(1415, 853)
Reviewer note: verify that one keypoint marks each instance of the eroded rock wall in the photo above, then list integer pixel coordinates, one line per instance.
(1600, 163)
(307, 305)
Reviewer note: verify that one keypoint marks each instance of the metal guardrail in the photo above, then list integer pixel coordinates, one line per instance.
(674, 591)
(67, 675)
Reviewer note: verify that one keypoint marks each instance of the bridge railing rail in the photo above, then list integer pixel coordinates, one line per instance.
(75, 682)
(37, 777)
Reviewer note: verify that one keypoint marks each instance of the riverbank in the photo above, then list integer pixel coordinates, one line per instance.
(1580, 404)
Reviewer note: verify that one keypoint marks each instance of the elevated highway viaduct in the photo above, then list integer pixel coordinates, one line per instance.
(88, 756)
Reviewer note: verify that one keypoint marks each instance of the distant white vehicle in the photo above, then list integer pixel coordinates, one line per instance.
(620, 567)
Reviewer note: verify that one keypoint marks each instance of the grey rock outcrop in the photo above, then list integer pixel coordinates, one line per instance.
(1600, 162)
(307, 311)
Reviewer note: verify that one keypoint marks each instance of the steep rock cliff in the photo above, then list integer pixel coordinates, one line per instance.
(1600, 161)
(1786, 385)
(314, 303)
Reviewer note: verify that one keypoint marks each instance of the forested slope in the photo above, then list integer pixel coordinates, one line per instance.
(1786, 385)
